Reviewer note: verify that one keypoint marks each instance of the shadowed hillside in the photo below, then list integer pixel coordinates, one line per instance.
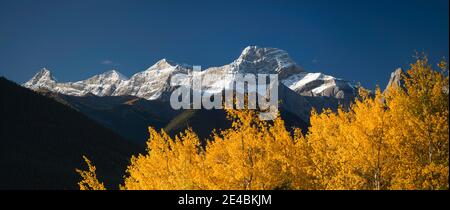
(128, 116)
(42, 142)
(203, 122)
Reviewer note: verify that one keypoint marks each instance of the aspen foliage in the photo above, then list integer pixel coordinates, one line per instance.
(420, 131)
(396, 139)
(169, 163)
(351, 150)
(251, 155)
(90, 181)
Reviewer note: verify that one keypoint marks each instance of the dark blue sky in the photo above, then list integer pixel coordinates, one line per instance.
(356, 40)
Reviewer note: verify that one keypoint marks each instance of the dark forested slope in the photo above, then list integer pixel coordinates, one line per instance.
(42, 142)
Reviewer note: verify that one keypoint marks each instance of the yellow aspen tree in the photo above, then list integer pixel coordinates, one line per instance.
(349, 149)
(253, 154)
(300, 162)
(235, 154)
(369, 146)
(90, 181)
(322, 148)
(169, 163)
(392, 140)
(421, 112)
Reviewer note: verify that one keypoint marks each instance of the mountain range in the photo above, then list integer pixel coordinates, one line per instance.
(153, 83)
(129, 105)
(47, 126)
(299, 91)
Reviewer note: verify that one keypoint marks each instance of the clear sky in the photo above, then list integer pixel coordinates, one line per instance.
(361, 40)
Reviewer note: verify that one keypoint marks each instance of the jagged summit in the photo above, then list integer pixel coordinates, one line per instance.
(44, 73)
(396, 79)
(43, 78)
(318, 84)
(114, 74)
(254, 59)
(163, 64)
(256, 54)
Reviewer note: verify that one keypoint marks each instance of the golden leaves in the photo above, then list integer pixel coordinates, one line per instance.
(392, 140)
(90, 181)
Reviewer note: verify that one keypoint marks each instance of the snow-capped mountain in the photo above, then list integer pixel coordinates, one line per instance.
(42, 79)
(318, 84)
(154, 82)
(103, 84)
(258, 60)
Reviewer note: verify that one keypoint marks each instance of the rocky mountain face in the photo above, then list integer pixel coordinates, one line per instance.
(318, 84)
(299, 91)
(42, 79)
(258, 60)
(152, 82)
(104, 84)
(148, 84)
(396, 79)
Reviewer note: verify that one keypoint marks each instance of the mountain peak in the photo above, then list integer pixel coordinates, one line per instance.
(165, 61)
(396, 79)
(116, 74)
(43, 69)
(45, 73)
(254, 51)
(255, 59)
(43, 78)
(163, 64)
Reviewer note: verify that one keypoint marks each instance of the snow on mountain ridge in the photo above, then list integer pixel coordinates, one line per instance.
(43, 78)
(318, 84)
(162, 64)
(115, 74)
(258, 60)
(153, 83)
